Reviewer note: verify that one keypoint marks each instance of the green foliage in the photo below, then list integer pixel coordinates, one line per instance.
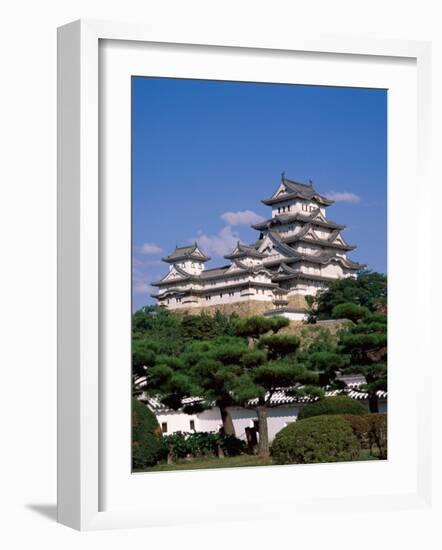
(203, 444)
(378, 432)
(350, 311)
(278, 322)
(206, 327)
(254, 327)
(360, 426)
(279, 345)
(341, 404)
(148, 446)
(169, 380)
(323, 357)
(197, 327)
(280, 374)
(169, 332)
(365, 343)
(223, 360)
(313, 440)
(213, 368)
(368, 290)
(317, 334)
(160, 325)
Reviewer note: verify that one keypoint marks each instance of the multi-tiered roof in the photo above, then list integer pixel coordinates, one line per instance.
(299, 235)
(298, 251)
(290, 190)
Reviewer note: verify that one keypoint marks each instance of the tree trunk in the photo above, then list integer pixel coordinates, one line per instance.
(373, 402)
(219, 451)
(263, 443)
(170, 455)
(228, 427)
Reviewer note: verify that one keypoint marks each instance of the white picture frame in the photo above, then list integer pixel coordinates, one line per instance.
(82, 442)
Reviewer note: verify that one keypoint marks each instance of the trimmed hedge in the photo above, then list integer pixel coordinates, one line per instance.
(378, 432)
(200, 444)
(360, 427)
(341, 404)
(325, 438)
(148, 445)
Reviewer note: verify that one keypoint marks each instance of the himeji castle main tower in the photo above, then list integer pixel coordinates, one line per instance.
(298, 252)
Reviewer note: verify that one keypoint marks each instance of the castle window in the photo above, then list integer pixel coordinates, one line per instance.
(279, 209)
(192, 425)
(288, 207)
(164, 427)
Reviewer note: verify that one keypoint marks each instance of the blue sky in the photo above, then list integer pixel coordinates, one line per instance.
(204, 153)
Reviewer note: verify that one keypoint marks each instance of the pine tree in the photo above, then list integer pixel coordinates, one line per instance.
(365, 343)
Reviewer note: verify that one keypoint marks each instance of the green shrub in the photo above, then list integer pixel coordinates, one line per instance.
(341, 404)
(378, 432)
(203, 444)
(148, 445)
(232, 446)
(318, 439)
(350, 311)
(360, 428)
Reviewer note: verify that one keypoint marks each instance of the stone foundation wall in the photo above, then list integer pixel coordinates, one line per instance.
(297, 301)
(243, 309)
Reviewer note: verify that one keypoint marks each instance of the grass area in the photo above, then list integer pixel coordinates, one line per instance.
(212, 462)
(366, 455)
(228, 462)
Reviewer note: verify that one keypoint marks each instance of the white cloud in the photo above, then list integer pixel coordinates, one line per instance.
(141, 287)
(220, 244)
(343, 197)
(242, 217)
(143, 273)
(150, 248)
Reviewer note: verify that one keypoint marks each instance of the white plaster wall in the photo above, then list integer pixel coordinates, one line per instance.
(331, 270)
(306, 289)
(210, 420)
(286, 204)
(262, 295)
(294, 316)
(192, 266)
(176, 421)
(251, 261)
(206, 421)
(323, 232)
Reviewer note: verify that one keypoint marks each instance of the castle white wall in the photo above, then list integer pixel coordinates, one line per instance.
(332, 270)
(294, 316)
(176, 421)
(192, 266)
(210, 420)
(293, 206)
(227, 290)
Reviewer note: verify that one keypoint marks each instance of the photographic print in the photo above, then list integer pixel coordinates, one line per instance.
(259, 274)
